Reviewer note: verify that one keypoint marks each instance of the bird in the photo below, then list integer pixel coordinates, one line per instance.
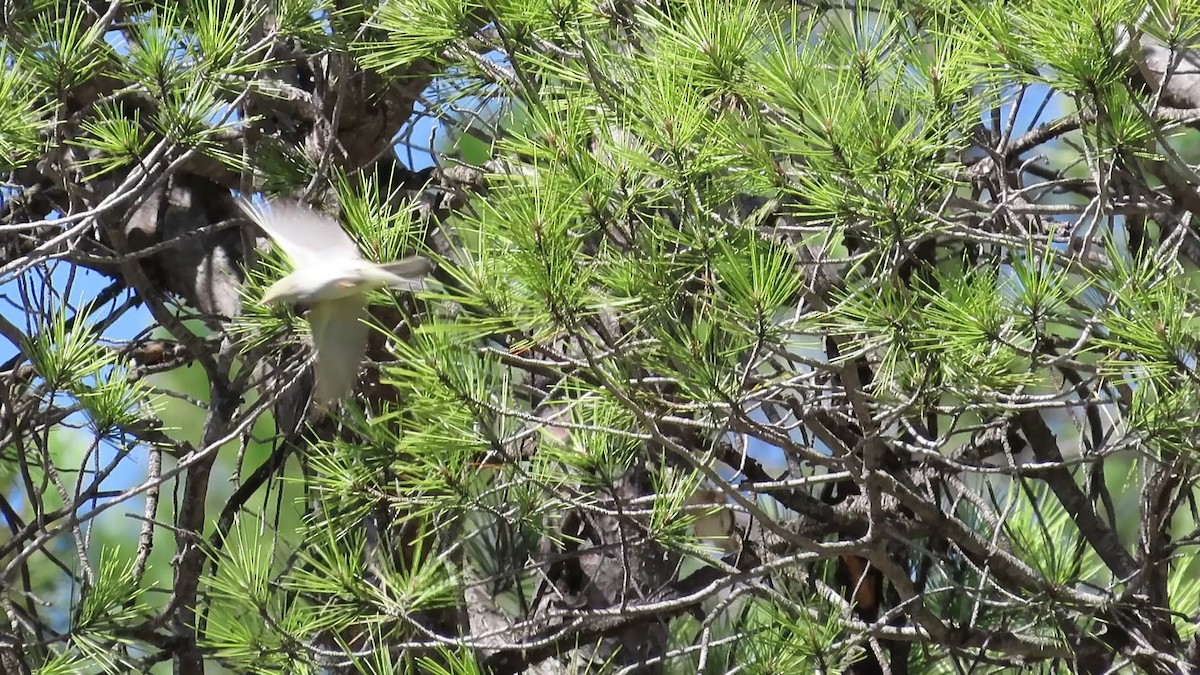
(332, 279)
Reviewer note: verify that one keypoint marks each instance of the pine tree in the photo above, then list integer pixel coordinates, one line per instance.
(765, 337)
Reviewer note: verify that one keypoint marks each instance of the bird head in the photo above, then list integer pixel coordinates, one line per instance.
(285, 290)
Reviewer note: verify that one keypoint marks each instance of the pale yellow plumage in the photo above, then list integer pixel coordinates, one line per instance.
(332, 278)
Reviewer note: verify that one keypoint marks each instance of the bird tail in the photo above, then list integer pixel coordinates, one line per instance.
(411, 268)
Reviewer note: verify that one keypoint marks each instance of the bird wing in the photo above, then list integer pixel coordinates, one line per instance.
(339, 333)
(306, 236)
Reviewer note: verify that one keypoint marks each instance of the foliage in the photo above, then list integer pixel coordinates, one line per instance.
(765, 337)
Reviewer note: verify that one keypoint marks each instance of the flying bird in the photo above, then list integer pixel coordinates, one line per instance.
(332, 279)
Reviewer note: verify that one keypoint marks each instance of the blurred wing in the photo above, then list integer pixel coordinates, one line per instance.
(306, 236)
(340, 336)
